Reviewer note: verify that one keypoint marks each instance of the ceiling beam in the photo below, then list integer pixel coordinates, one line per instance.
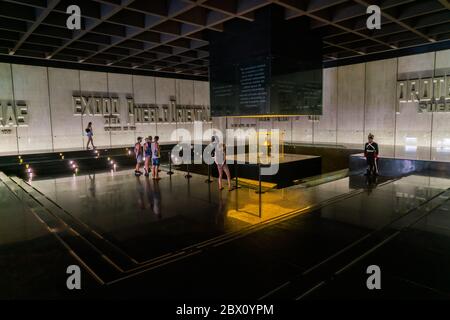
(312, 6)
(51, 4)
(397, 21)
(107, 11)
(175, 8)
(292, 5)
(445, 3)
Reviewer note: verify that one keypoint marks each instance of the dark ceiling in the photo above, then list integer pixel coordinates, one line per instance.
(168, 37)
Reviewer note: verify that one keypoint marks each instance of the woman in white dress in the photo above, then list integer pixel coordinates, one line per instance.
(220, 160)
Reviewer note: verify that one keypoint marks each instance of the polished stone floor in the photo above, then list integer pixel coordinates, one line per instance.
(148, 218)
(32, 262)
(182, 238)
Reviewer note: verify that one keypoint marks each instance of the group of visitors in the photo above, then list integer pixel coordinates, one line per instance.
(149, 151)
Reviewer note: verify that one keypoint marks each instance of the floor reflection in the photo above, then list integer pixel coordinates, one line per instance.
(147, 218)
(154, 197)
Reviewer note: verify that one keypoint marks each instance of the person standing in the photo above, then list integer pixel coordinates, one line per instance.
(89, 134)
(371, 152)
(220, 160)
(156, 156)
(147, 154)
(139, 154)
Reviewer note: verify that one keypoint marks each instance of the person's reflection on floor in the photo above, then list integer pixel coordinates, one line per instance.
(140, 194)
(220, 213)
(154, 197)
(157, 200)
(92, 188)
(372, 183)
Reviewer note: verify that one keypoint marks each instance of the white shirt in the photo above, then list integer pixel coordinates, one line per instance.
(219, 156)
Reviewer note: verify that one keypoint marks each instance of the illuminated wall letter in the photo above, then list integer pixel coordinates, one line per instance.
(426, 92)
(106, 104)
(98, 106)
(77, 106)
(2, 120)
(438, 88)
(413, 90)
(137, 114)
(447, 90)
(10, 117)
(130, 108)
(115, 106)
(22, 114)
(87, 106)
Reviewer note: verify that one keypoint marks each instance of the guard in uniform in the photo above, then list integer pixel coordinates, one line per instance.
(371, 152)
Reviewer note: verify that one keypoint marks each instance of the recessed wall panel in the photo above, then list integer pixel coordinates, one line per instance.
(120, 86)
(95, 85)
(144, 94)
(185, 91)
(325, 127)
(201, 92)
(302, 130)
(67, 127)
(416, 65)
(8, 135)
(165, 91)
(31, 86)
(350, 117)
(285, 126)
(413, 132)
(380, 100)
(441, 137)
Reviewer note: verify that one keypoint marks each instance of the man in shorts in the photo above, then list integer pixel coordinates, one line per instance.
(156, 155)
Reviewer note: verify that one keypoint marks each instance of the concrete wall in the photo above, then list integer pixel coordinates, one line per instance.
(52, 125)
(357, 99)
